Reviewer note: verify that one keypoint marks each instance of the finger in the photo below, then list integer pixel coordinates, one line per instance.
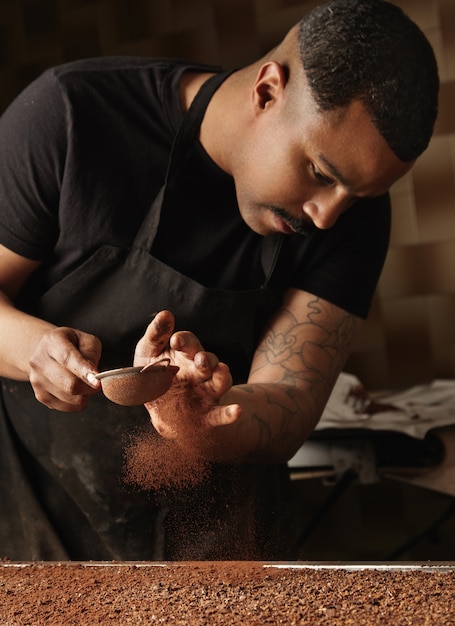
(156, 336)
(58, 381)
(221, 379)
(186, 342)
(66, 407)
(205, 363)
(54, 397)
(224, 415)
(67, 353)
(90, 348)
(58, 357)
(52, 402)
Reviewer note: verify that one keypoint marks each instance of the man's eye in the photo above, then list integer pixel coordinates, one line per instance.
(320, 177)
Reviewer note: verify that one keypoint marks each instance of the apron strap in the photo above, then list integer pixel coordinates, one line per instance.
(186, 135)
(191, 123)
(271, 247)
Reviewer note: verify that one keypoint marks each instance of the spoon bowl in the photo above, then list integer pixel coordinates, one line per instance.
(133, 386)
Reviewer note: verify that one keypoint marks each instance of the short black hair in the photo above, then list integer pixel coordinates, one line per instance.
(369, 50)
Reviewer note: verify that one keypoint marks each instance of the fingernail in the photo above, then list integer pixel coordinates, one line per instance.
(233, 412)
(92, 380)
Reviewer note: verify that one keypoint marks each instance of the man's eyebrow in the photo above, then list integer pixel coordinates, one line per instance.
(335, 172)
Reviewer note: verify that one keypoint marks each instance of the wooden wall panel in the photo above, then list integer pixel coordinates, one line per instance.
(415, 303)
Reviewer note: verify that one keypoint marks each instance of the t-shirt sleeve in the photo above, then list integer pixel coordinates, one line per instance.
(32, 156)
(343, 264)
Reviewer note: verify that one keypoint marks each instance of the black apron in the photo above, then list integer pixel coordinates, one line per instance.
(62, 492)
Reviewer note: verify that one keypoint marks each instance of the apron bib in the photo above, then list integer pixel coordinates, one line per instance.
(74, 504)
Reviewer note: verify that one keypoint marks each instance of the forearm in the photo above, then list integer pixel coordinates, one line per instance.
(301, 355)
(275, 421)
(19, 335)
(253, 423)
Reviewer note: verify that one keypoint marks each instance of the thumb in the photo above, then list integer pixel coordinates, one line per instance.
(156, 336)
(224, 415)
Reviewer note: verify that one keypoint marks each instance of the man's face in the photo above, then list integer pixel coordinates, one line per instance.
(301, 169)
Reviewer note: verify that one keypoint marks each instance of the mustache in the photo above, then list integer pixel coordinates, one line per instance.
(301, 226)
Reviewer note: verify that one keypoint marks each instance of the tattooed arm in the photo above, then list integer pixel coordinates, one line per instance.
(268, 418)
(292, 375)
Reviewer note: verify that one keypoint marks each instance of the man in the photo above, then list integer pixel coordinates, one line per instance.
(250, 210)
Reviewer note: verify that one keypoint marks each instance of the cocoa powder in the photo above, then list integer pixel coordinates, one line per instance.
(202, 522)
(223, 593)
(155, 463)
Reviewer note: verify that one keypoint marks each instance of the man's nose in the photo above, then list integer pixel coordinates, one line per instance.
(324, 212)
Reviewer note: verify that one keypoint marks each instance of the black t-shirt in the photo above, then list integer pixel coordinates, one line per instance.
(83, 153)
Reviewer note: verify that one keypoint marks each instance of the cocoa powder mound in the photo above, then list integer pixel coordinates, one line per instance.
(223, 593)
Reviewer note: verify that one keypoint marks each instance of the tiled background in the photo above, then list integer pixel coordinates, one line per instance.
(410, 336)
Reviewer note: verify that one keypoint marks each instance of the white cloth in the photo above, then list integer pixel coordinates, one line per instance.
(413, 411)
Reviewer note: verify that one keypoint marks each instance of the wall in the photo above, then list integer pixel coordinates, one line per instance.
(410, 336)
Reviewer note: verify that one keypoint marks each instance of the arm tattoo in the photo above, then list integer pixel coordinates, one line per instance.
(317, 361)
(303, 356)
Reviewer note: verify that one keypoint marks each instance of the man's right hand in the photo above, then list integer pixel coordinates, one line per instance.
(59, 362)
(62, 368)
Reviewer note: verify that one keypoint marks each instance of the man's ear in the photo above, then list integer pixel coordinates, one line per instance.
(269, 85)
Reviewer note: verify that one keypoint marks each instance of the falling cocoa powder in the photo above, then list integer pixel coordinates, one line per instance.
(207, 507)
(155, 463)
